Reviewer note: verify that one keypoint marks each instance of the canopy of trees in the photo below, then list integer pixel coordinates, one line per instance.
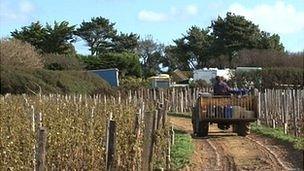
(220, 44)
(229, 41)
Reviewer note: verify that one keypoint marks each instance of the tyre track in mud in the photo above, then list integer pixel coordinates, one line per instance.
(223, 150)
(278, 160)
(225, 161)
(246, 154)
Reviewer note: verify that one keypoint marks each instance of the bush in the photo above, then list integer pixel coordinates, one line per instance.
(62, 62)
(132, 83)
(246, 79)
(16, 53)
(283, 77)
(17, 81)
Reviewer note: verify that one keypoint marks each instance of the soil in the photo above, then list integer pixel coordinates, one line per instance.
(224, 150)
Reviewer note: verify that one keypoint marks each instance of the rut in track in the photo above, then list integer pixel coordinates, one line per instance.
(223, 150)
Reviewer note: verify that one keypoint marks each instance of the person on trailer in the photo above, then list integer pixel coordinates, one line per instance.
(220, 87)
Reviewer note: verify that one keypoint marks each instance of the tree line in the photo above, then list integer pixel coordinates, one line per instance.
(229, 41)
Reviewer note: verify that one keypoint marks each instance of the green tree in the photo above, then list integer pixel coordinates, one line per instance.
(232, 34)
(198, 42)
(192, 50)
(151, 54)
(98, 33)
(171, 61)
(175, 57)
(127, 62)
(125, 42)
(90, 62)
(33, 34)
(57, 39)
(268, 41)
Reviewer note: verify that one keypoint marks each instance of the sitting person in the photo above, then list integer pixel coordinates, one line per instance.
(220, 87)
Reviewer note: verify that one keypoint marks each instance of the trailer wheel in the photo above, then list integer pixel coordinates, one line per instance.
(195, 120)
(203, 128)
(235, 128)
(243, 129)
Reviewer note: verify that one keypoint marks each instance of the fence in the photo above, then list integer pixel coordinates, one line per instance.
(278, 108)
(283, 108)
(179, 100)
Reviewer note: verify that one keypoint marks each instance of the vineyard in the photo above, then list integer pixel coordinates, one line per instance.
(128, 131)
(76, 129)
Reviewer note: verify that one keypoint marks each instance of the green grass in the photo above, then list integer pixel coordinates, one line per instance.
(278, 133)
(181, 151)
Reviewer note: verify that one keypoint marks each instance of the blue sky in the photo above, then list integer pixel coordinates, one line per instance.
(165, 20)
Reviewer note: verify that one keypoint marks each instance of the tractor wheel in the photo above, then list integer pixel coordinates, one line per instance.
(243, 129)
(203, 128)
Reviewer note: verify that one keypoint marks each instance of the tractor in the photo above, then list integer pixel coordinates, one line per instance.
(226, 111)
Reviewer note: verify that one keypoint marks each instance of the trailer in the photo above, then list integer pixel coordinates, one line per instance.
(226, 111)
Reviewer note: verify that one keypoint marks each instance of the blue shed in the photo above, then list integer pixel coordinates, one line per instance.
(109, 75)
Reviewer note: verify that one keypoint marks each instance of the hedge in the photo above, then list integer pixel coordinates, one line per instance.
(271, 78)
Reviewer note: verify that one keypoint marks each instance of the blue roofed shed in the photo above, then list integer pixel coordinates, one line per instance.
(109, 75)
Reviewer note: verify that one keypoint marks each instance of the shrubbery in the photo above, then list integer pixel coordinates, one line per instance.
(269, 58)
(19, 54)
(16, 81)
(62, 62)
(131, 83)
(22, 72)
(127, 63)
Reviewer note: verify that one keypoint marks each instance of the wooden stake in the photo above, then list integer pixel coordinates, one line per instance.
(41, 149)
(110, 146)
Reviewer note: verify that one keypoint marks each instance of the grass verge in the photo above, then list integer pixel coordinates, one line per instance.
(181, 151)
(278, 133)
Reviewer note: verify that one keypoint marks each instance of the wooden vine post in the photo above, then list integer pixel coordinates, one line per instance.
(110, 143)
(41, 149)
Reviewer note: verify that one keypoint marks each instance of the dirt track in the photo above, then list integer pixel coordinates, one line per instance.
(223, 150)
